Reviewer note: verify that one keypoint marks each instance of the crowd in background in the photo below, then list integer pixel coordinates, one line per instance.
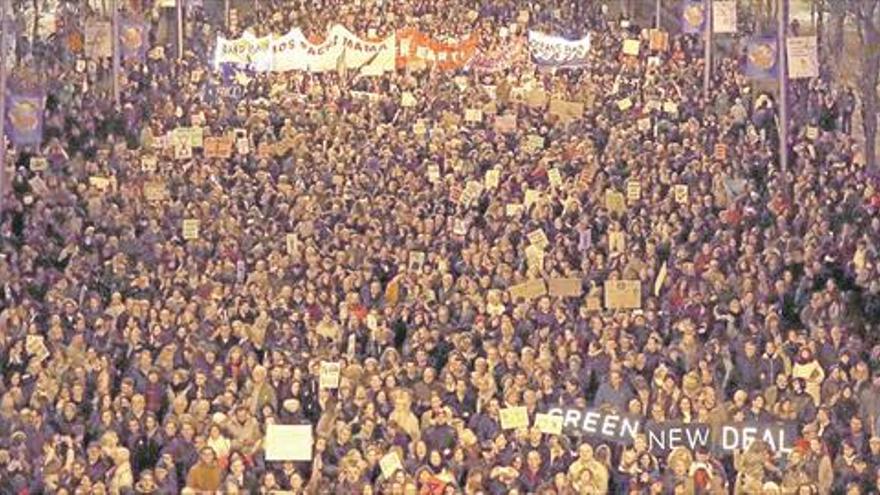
(136, 361)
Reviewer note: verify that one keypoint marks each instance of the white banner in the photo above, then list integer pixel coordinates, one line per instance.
(558, 52)
(293, 51)
(803, 57)
(724, 16)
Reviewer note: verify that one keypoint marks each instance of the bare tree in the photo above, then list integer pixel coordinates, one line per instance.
(866, 16)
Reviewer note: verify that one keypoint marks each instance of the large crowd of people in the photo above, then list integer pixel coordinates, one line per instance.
(135, 360)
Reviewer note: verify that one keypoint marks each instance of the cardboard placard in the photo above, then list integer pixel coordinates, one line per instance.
(681, 194)
(416, 260)
(218, 147)
(538, 238)
(290, 241)
(513, 209)
(532, 196)
(554, 177)
(155, 190)
(633, 190)
(593, 303)
(420, 128)
(535, 257)
(492, 179)
(616, 242)
(473, 115)
(565, 287)
(812, 133)
(242, 146)
(434, 172)
(514, 417)
(505, 123)
(191, 228)
(720, 152)
(288, 442)
(390, 464)
(38, 163)
(631, 47)
(644, 124)
(330, 373)
(623, 294)
(536, 98)
(658, 40)
(528, 290)
(534, 142)
(615, 202)
(407, 100)
(566, 110)
(550, 424)
(670, 107)
(624, 104)
(99, 183)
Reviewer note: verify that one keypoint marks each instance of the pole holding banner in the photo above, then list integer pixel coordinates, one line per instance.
(115, 51)
(4, 5)
(180, 29)
(657, 6)
(707, 50)
(782, 71)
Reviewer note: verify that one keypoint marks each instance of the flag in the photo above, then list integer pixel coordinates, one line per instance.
(693, 16)
(761, 58)
(133, 40)
(24, 118)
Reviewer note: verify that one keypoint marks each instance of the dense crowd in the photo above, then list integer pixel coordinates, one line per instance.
(136, 361)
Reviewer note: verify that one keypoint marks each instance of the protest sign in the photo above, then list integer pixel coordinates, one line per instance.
(720, 152)
(633, 190)
(670, 107)
(288, 442)
(415, 48)
(761, 58)
(666, 436)
(534, 142)
(661, 278)
(407, 100)
(550, 424)
(329, 377)
(218, 147)
(98, 39)
(492, 179)
(803, 57)
(644, 124)
(615, 202)
(528, 290)
(505, 123)
(623, 294)
(681, 193)
(631, 47)
(693, 16)
(554, 177)
(616, 242)
(290, 242)
(658, 40)
(536, 98)
(778, 436)
(724, 16)
(531, 197)
(593, 303)
(812, 133)
(565, 287)
(617, 428)
(513, 209)
(538, 238)
(566, 110)
(155, 190)
(191, 228)
(534, 257)
(99, 183)
(553, 51)
(38, 163)
(416, 260)
(473, 115)
(390, 464)
(624, 104)
(514, 417)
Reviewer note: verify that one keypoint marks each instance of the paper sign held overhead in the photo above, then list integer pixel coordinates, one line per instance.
(528, 290)
(330, 373)
(565, 287)
(191, 228)
(633, 190)
(681, 194)
(623, 294)
(614, 201)
(550, 424)
(288, 442)
(554, 177)
(538, 238)
(631, 47)
(390, 464)
(514, 417)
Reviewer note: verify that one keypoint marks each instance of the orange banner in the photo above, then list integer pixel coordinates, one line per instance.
(417, 49)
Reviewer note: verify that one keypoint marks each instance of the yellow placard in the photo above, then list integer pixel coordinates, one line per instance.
(565, 287)
(615, 202)
(514, 417)
(631, 47)
(550, 424)
(528, 290)
(191, 228)
(633, 190)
